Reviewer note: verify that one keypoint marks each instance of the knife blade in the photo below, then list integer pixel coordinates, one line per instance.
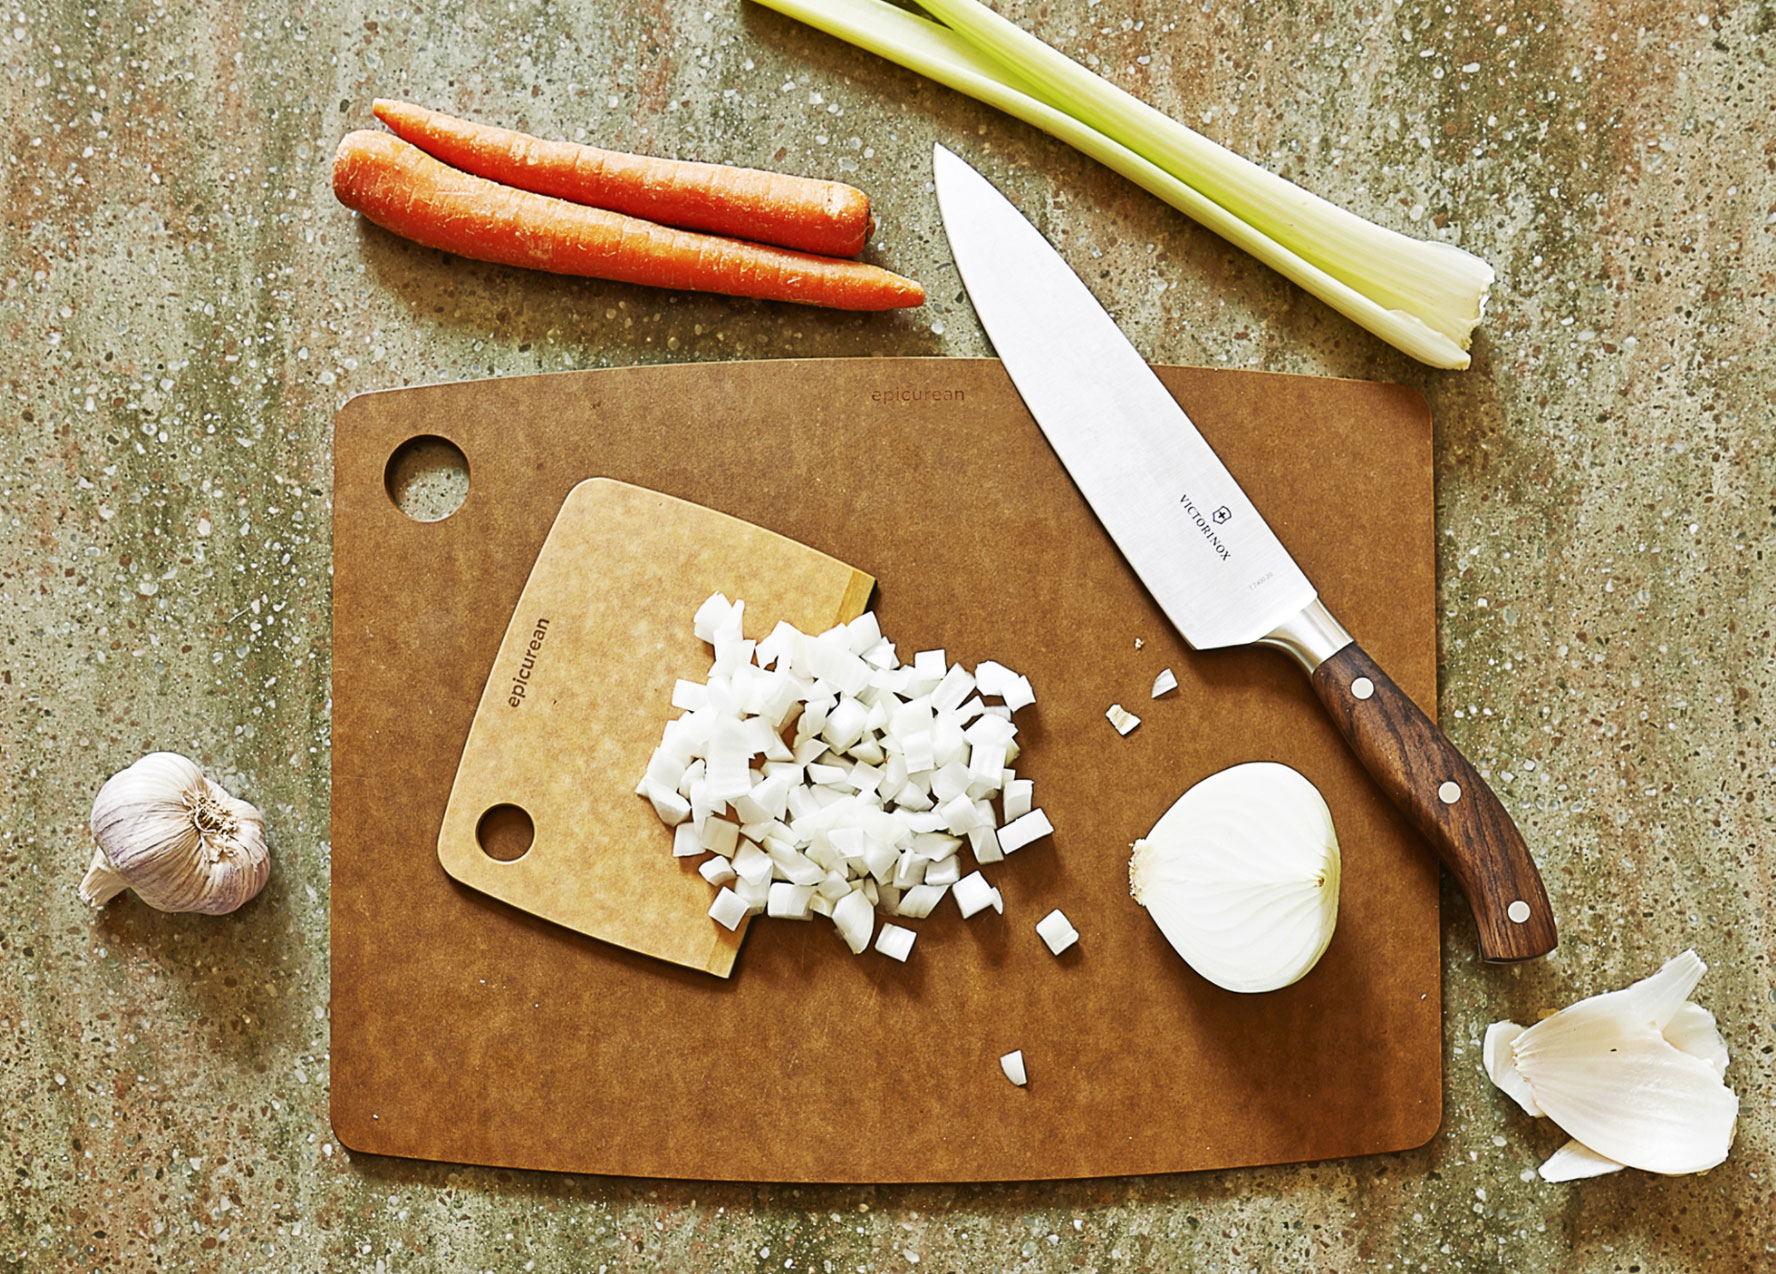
(1207, 555)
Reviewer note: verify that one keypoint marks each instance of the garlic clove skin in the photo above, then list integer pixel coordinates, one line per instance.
(1692, 1029)
(1609, 1073)
(1241, 875)
(180, 841)
(1501, 1067)
(1575, 1161)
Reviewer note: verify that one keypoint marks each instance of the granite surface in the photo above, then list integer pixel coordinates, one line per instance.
(184, 307)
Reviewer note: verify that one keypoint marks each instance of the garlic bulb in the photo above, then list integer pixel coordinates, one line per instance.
(1635, 1077)
(177, 839)
(1241, 875)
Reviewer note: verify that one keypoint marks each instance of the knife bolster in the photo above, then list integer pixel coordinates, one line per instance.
(1311, 637)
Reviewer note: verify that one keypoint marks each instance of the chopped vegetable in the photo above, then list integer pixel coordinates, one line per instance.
(1241, 876)
(973, 894)
(406, 191)
(895, 942)
(1013, 1066)
(1057, 931)
(1121, 718)
(805, 213)
(1021, 831)
(1165, 683)
(874, 775)
(1422, 297)
(728, 909)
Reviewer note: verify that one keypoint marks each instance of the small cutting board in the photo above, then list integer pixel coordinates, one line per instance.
(576, 698)
(466, 1029)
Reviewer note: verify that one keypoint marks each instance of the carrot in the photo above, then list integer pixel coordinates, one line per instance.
(405, 190)
(805, 213)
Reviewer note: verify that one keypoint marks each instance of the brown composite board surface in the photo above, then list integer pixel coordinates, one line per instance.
(465, 1030)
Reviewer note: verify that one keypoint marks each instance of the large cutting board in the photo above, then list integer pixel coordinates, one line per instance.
(466, 1030)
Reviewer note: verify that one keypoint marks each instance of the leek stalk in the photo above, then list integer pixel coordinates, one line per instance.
(1420, 296)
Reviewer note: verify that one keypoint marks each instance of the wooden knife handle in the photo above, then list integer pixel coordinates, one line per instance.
(1446, 799)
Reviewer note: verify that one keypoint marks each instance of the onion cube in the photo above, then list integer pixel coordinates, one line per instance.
(685, 841)
(993, 678)
(919, 901)
(1013, 1066)
(714, 614)
(960, 815)
(672, 808)
(665, 769)
(974, 894)
(1121, 718)
(1020, 694)
(984, 841)
(789, 902)
(991, 728)
(1166, 682)
(1019, 795)
(1021, 831)
(895, 942)
(752, 863)
(948, 743)
(845, 724)
(854, 916)
(794, 867)
(936, 846)
(863, 632)
(728, 909)
(931, 663)
(950, 782)
(881, 657)
(986, 762)
(917, 748)
(732, 652)
(720, 836)
(956, 686)
(1057, 931)
(717, 871)
(944, 872)
(909, 871)
(755, 894)
(820, 905)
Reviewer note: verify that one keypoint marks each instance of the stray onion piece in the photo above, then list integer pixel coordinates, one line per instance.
(866, 804)
(1635, 1077)
(1122, 719)
(1013, 1066)
(1241, 875)
(1057, 931)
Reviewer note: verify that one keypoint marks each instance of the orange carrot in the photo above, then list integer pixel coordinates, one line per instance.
(805, 213)
(405, 190)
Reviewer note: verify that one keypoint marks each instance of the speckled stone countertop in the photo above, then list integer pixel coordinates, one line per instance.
(184, 307)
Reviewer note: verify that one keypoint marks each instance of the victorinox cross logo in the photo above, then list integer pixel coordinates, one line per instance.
(1221, 514)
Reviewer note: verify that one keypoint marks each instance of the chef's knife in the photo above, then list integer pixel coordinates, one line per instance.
(1207, 556)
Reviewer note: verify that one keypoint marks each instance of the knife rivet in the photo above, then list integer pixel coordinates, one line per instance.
(1518, 911)
(1450, 792)
(1362, 687)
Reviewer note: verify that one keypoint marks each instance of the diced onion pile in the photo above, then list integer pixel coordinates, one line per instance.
(889, 771)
